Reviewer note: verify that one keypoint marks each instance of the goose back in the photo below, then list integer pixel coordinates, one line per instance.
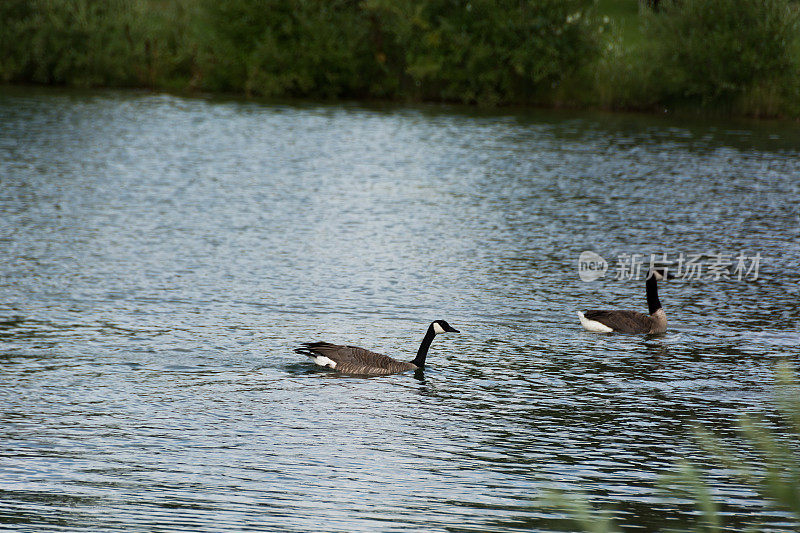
(622, 321)
(353, 360)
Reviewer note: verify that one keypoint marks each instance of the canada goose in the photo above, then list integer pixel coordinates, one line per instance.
(631, 321)
(355, 360)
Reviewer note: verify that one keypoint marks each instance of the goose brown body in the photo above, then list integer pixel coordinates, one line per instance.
(601, 321)
(355, 360)
(629, 321)
(358, 361)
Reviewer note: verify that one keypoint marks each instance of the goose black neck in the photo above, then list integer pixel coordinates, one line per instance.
(419, 360)
(653, 303)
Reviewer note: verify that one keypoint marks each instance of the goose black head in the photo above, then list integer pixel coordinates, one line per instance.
(441, 326)
(660, 274)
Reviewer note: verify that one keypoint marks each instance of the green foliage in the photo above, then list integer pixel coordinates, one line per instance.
(507, 51)
(764, 459)
(289, 47)
(775, 475)
(487, 51)
(477, 51)
(689, 482)
(737, 55)
(717, 52)
(91, 42)
(580, 511)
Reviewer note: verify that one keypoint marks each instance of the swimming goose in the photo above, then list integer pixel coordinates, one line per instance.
(355, 360)
(631, 321)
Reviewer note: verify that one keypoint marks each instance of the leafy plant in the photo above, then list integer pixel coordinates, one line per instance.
(716, 52)
(288, 47)
(765, 460)
(488, 51)
(93, 42)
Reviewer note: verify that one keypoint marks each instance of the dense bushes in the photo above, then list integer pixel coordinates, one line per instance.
(90, 42)
(487, 51)
(477, 51)
(735, 54)
(288, 47)
(721, 52)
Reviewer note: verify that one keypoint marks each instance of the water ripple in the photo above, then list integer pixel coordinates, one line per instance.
(162, 256)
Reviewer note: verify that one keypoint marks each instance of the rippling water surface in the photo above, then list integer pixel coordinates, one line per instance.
(160, 258)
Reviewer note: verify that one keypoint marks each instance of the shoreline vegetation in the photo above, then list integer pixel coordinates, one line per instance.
(722, 57)
(763, 458)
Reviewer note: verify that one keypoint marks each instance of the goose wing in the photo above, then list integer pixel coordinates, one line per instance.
(621, 321)
(352, 359)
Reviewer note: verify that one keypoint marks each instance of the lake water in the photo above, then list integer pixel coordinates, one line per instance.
(161, 257)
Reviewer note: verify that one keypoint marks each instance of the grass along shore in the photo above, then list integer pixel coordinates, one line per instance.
(730, 57)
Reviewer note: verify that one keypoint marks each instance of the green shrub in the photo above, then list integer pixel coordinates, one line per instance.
(289, 47)
(764, 458)
(737, 55)
(720, 52)
(476, 51)
(768, 464)
(487, 51)
(93, 42)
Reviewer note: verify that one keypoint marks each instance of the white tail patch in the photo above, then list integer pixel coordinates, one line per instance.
(437, 328)
(321, 360)
(593, 325)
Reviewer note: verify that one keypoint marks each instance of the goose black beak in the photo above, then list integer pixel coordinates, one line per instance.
(451, 329)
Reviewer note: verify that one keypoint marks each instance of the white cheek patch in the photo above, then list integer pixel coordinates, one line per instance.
(321, 360)
(437, 328)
